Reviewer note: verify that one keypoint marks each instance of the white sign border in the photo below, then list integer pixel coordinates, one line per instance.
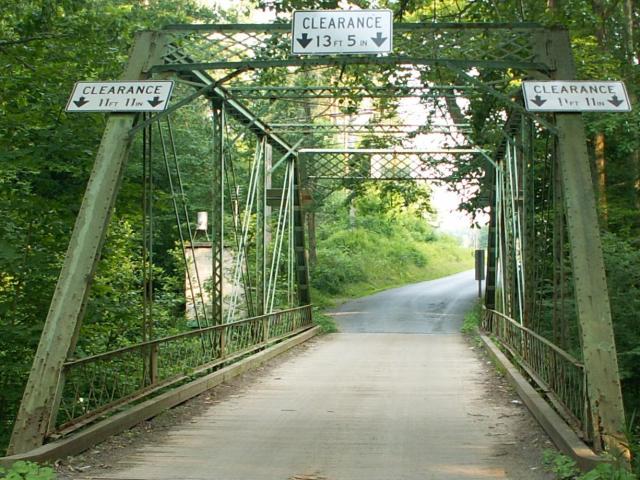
(570, 110)
(293, 37)
(75, 85)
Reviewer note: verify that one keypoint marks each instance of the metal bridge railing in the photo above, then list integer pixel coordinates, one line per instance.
(101, 384)
(559, 375)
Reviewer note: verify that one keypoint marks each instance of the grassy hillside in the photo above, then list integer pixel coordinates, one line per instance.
(375, 250)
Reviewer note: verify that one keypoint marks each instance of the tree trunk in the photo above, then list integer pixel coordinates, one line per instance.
(601, 172)
(599, 10)
(631, 57)
(627, 6)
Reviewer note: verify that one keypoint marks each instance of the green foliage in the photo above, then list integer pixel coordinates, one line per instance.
(472, 320)
(45, 159)
(382, 246)
(46, 154)
(608, 471)
(326, 323)
(566, 469)
(27, 471)
(622, 261)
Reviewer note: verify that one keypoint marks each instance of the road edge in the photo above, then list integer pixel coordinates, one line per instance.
(560, 433)
(120, 422)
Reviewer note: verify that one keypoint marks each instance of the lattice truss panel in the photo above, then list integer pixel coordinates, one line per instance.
(367, 164)
(467, 45)
(444, 60)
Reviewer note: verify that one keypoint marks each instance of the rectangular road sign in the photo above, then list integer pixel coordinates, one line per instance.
(575, 96)
(329, 32)
(137, 96)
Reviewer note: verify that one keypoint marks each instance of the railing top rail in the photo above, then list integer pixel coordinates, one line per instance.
(567, 356)
(192, 333)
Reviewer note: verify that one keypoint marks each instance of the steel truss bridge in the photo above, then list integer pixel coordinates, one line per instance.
(546, 294)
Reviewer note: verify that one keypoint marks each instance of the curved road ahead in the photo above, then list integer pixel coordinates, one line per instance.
(399, 394)
(435, 307)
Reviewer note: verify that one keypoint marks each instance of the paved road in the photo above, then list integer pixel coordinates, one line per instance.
(398, 405)
(435, 307)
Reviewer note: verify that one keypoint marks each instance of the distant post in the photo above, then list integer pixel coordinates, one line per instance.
(479, 270)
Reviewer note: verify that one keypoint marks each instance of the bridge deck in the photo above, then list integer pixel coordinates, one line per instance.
(351, 406)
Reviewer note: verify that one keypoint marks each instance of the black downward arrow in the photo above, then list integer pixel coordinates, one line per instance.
(615, 101)
(155, 102)
(80, 102)
(538, 100)
(304, 41)
(379, 39)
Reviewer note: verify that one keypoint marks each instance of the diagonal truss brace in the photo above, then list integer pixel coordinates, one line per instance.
(59, 335)
(236, 108)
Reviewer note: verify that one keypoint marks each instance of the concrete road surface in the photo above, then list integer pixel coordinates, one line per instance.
(414, 402)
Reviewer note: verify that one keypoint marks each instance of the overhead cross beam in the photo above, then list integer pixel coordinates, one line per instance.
(215, 47)
(258, 92)
(339, 62)
(382, 164)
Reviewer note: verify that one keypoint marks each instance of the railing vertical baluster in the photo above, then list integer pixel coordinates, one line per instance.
(223, 341)
(153, 364)
(553, 368)
(105, 381)
(265, 329)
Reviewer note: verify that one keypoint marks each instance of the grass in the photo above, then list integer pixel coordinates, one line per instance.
(564, 468)
(326, 323)
(472, 320)
(357, 263)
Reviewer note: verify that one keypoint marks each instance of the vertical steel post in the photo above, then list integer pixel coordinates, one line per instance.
(490, 283)
(217, 212)
(301, 254)
(594, 313)
(59, 335)
(266, 226)
(261, 234)
(268, 163)
(559, 320)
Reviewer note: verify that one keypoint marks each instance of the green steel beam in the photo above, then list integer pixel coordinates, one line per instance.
(342, 61)
(300, 246)
(203, 90)
(217, 211)
(592, 299)
(364, 126)
(237, 109)
(285, 156)
(398, 27)
(332, 92)
(70, 296)
(386, 151)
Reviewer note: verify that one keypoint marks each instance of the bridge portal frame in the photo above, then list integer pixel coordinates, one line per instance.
(544, 53)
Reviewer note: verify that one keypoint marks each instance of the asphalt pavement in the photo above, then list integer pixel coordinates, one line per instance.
(433, 307)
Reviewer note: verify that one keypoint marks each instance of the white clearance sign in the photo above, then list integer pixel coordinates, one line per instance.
(575, 96)
(329, 32)
(138, 96)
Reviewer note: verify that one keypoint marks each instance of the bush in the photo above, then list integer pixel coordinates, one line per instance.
(27, 471)
(622, 262)
(334, 269)
(380, 251)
